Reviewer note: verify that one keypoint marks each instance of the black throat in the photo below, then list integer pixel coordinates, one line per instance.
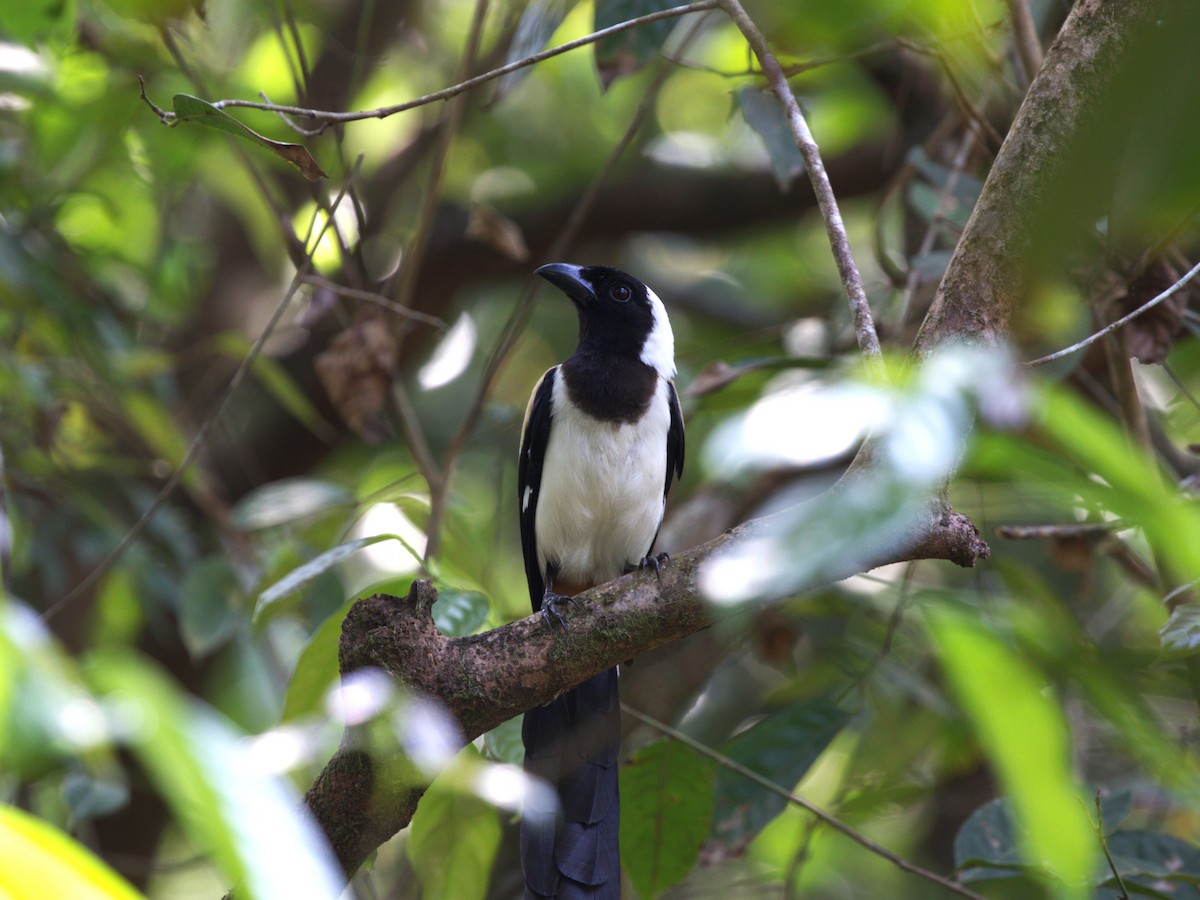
(611, 388)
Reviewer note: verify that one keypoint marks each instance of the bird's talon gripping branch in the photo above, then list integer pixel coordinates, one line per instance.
(550, 604)
(655, 562)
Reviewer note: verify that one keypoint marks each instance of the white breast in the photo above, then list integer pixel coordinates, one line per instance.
(601, 498)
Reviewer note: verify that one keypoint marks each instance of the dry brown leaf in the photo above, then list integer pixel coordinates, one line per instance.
(498, 232)
(356, 371)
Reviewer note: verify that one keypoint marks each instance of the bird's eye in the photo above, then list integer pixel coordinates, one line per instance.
(620, 292)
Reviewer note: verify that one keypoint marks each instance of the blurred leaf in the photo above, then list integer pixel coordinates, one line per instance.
(302, 575)
(277, 381)
(499, 232)
(316, 669)
(193, 109)
(503, 743)
(38, 861)
(207, 613)
(227, 802)
(1181, 632)
(453, 840)
(539, 20)
(460, 613)
(1022, 731)
(623, 54)
(988, 838)
(666, 813)
(89, 797)
(781, 748)
(289, 500)
(765, 115)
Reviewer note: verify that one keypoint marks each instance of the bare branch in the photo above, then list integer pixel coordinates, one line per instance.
(1124, 320)
(331, 117)
(1025, 36)
(864, 324)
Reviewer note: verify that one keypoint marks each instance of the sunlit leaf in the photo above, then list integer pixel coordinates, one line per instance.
(228, 801)
(38, 861)
(302, 575)
(288, 500)
(764, 114)
(666, 812)
(193, 109)
(781, 748)
(1024, 735)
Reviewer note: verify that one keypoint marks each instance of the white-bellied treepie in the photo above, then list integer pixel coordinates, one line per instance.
(601, 443)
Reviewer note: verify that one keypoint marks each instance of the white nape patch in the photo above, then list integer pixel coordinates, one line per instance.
(525, 498)
(659, 350)
(601, 498)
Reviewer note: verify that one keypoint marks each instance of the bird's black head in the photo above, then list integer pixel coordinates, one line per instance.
(617, 314)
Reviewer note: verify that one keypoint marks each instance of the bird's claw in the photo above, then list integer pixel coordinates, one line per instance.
(655, 562)
(550, 604)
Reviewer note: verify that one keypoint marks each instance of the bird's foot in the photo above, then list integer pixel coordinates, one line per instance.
(550, 608)
(655, 562)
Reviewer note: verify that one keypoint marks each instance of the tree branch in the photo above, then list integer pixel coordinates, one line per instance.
(486, 679)
(989, 274)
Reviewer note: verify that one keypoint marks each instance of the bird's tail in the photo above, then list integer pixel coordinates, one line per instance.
(574, 743)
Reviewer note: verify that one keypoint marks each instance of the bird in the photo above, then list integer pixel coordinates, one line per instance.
(601, 443)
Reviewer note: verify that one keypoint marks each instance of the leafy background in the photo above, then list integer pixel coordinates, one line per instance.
(342, 363)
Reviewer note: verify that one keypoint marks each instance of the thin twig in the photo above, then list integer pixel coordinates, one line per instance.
(1025, 36)
(946, 200)
(454, 90)
(1098, 826)
(1124, 320)
(372, 297)
(836, 824)
(864, 325)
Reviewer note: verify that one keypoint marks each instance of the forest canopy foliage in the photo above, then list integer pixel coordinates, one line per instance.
(268, 326)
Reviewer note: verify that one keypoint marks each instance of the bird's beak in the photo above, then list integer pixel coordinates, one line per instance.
(568, 279)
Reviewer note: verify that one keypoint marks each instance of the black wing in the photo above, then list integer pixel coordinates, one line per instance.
(535, 434)
(674, 440)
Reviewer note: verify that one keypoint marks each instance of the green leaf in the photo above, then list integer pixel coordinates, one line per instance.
(1021, 729)
(207, 613)
(460, 613)
(667, 807)
(988, 838)
(288, 500)
(38, 860)
(538, 22)
(765, 115)
(316, 669)
(229, 806)
(782, 747)
(454, 838)
(193, 109)
(503, 743)
(89, 797)
(1154, 854)
(1181, 634)
(623, 54)
(302, 575)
